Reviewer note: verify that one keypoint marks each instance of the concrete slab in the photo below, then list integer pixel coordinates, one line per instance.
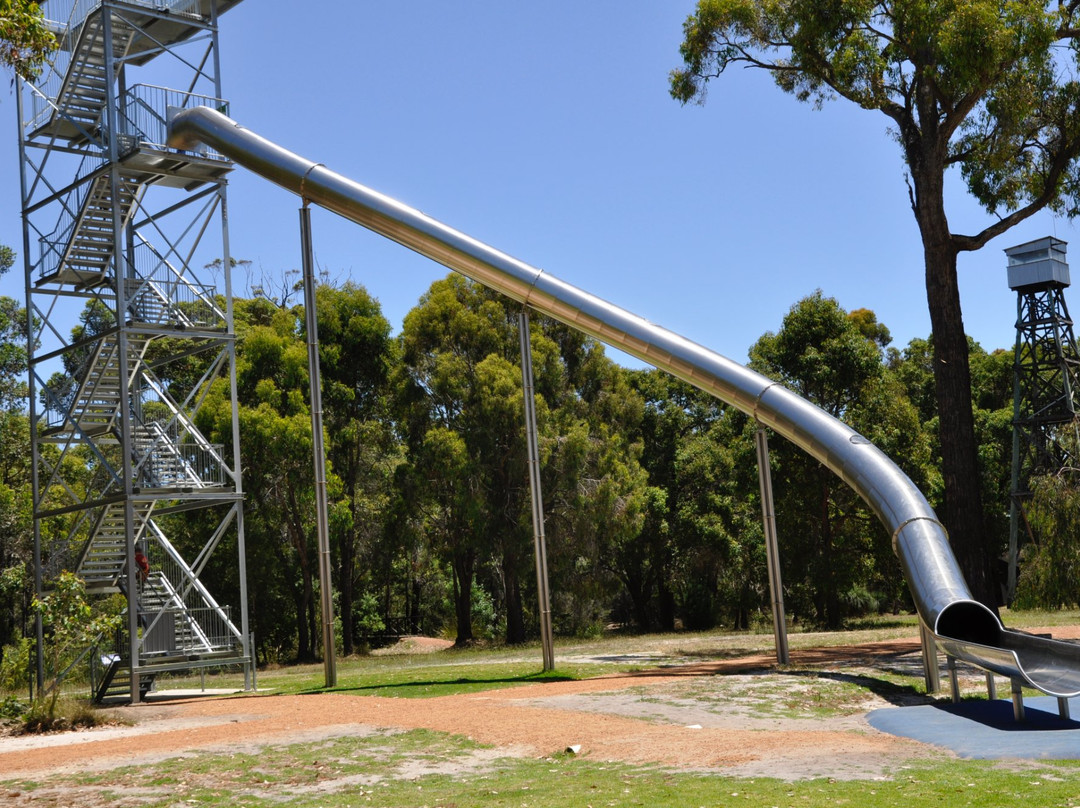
(986, 730)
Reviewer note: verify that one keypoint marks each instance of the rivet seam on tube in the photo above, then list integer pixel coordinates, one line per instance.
(761, 395)
(303, 179)
(907, 522)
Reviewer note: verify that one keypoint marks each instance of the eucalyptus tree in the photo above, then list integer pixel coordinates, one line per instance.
(833, 550)
(25, 37)
(598, 499)
(357, 356)
(16, 509)
(1051, 567)
(276, 452)
(16, 525)
(674, 416)
(987, 87)
(13, 356)
(462, 409)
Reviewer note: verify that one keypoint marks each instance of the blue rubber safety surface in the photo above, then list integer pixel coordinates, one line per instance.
(986, 730)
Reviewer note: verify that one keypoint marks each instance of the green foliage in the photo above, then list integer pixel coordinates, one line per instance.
(13, 355)
(16, 526)
(988, 87)
(821, 354)
(25, 40)
(73, 625)
(368, 621)
(1050, 566)
(15, 665)
(460, 399)
(834, 551)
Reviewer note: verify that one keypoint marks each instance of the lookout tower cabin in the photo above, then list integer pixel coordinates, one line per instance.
(127, 273)
(1038, 265)
(1045, 376)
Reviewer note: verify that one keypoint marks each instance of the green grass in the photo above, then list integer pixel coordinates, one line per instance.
(403, 770)
(422, 676)
(424, 768)
(470, 670)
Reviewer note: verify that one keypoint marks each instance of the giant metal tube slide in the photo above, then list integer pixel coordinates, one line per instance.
(963, 627)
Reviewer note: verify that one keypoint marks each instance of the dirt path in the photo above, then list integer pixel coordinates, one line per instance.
(627, 717)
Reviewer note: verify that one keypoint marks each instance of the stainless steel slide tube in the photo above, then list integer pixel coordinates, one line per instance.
(919, 539)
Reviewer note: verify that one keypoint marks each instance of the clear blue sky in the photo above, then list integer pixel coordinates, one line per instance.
(546, 130)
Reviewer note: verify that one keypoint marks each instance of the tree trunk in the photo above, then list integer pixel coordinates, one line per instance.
(640, 596)
(515, 613)
(345, 587)
(831, 595)
(666, 607)
(413, 611)
(306, 627)
(963, 510)
(462, 563)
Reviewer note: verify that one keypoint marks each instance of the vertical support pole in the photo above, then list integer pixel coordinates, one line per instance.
(991, 687)
(1018, 699)
(125, 372)
(247, 640)
(318, 450)
(954, 679)
(539, 542)
(1063, 708)
(1015, 506)
(31, 351)
(772, 550)
(931, 671)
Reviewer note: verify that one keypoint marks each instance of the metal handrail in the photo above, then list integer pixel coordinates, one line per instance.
(66, 21)
(143, 111)
(55, 243)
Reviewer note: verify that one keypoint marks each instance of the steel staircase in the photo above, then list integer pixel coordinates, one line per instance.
(103, 561)
(88, 241)
(122, 223)
(80, 102)
(114, 684)
(91, 404)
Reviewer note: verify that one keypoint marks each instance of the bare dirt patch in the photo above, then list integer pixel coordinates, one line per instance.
(701, 717)
(414, 645)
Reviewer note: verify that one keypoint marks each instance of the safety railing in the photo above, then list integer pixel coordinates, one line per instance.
(65, 18)
(93, 386)
(144, 110)
(171, 595)
(186, 632)
(58, 555)
(53, 246)
(172, 302)
(164, 461)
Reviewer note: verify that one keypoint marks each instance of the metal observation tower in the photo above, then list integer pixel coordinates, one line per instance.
(123, 241)
(1045, 377)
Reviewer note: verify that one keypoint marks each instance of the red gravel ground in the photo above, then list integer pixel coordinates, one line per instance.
(533, 720)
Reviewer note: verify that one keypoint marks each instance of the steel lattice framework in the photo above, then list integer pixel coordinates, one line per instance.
(123, 240)
(1045, 377)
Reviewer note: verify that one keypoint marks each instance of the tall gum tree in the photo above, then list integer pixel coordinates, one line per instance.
(25, 38)
(988, 87)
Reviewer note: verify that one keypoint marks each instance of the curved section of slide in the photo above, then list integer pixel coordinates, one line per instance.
(965, 628)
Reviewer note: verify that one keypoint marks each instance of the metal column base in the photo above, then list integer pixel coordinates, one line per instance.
(930, 659)
(1018, 700)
